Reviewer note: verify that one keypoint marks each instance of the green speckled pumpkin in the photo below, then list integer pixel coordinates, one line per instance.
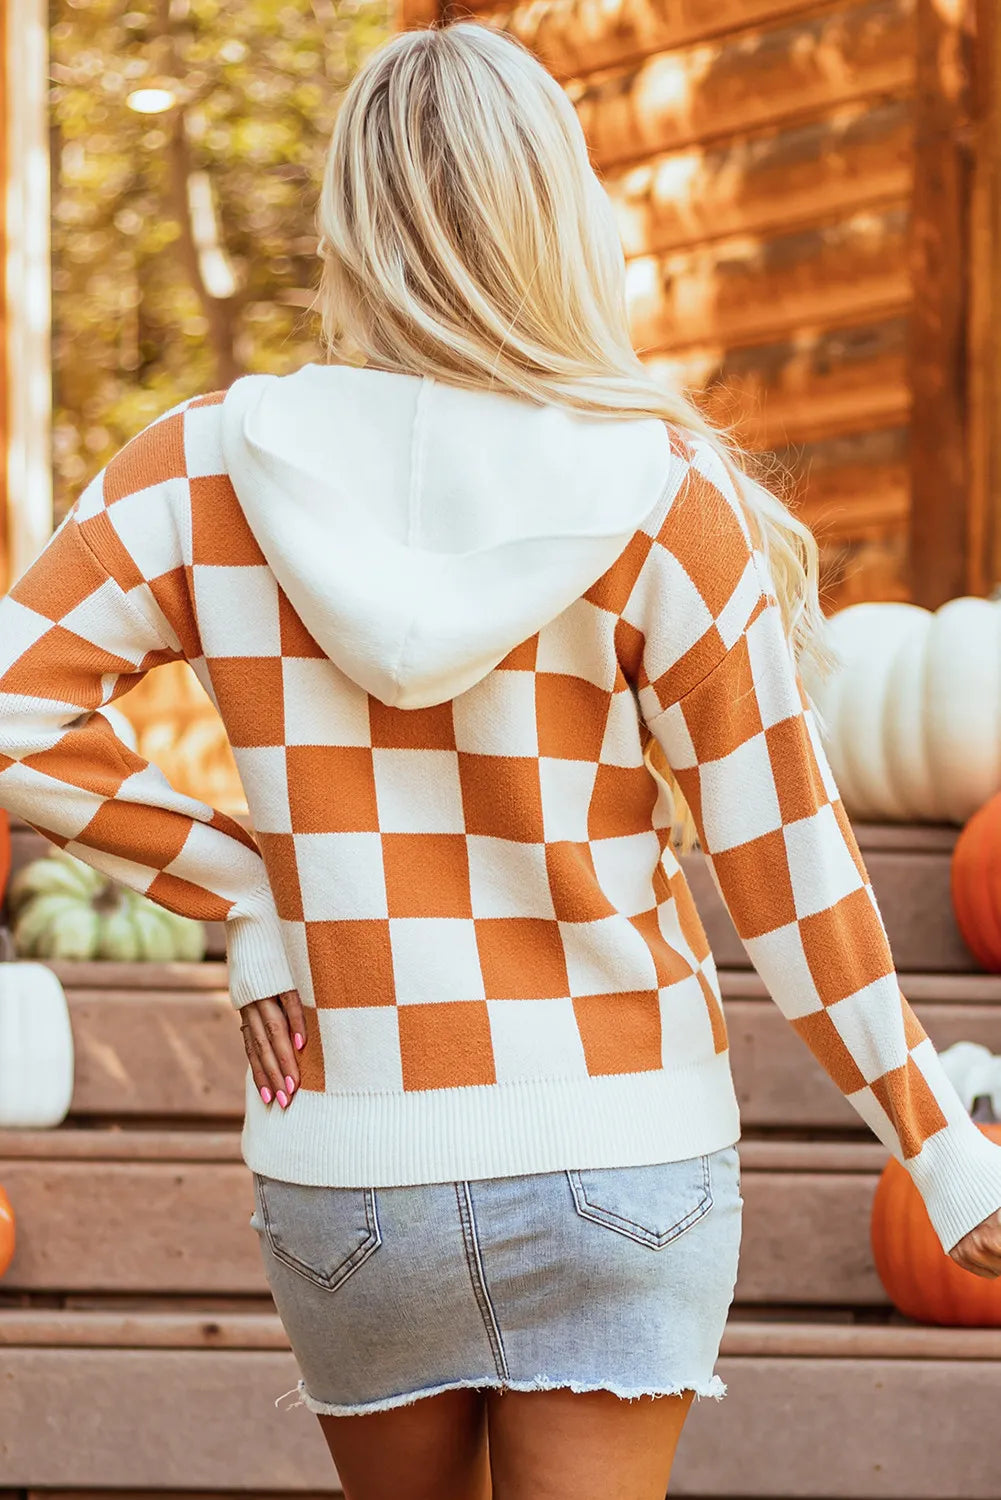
(63, 908)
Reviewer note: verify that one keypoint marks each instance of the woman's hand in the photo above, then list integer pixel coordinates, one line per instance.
(273, 1032)
(980, 1250)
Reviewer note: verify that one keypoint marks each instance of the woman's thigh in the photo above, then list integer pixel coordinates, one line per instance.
(433, 1449)
(559, 1445)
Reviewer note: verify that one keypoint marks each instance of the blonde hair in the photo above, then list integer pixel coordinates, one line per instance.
(464, 234)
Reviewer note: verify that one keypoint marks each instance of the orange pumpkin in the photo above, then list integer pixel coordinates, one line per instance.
(6, 1232)
(976, 884)
(919, 1278)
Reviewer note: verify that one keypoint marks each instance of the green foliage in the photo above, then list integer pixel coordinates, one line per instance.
(136, 326)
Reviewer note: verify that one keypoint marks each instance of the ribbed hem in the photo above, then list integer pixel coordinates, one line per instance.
(958, 1174)
(258, 964)
(498, 1130)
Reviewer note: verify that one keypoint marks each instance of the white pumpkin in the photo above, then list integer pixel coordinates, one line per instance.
(36, 1048)
(912, 715)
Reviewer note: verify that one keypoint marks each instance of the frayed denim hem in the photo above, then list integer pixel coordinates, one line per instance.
(714, 1388)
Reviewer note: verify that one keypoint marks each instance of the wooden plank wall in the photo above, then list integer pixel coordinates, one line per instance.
(4, 391)
(761, 155)
(984, 363)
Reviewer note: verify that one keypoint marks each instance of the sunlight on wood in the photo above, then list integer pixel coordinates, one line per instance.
(666, 88)
(103, 1056)
(679, 180)
(687, 371)
(643, 289)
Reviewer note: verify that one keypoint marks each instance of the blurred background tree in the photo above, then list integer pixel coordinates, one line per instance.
(188, 139)
(183, 240)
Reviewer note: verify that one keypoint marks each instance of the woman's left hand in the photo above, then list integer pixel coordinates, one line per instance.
(980, 1250)
(273, 1031)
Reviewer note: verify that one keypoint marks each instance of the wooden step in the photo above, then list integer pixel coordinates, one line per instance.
(157, 1418)
(909, 868)
(154, 1040)
(105, 1212)
(160, 1041)
(133, 1494)
(780, 1084)
(177, 1402)
(745, 1336)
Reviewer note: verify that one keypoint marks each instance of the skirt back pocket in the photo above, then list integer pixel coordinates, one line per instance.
(650, 1204)
(323, 1233)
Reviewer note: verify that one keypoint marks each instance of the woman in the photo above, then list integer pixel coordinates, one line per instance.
(451, 592)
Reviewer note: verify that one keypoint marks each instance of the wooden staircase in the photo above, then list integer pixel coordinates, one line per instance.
(141, 1355)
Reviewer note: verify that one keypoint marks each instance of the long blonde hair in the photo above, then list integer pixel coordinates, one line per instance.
(464, 234)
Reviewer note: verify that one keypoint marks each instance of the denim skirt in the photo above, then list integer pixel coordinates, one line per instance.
(610, 1278)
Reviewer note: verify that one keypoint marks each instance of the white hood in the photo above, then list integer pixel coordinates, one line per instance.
(422, 531)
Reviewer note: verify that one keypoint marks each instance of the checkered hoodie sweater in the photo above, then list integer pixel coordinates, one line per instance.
(478, 898)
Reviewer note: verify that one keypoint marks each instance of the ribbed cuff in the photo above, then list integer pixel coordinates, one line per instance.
(958, 1174)
(258, 964)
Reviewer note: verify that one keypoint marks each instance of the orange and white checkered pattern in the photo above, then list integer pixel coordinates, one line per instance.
(480, 893)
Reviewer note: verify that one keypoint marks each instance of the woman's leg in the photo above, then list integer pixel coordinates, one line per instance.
(558, 1445)
(433, 1449)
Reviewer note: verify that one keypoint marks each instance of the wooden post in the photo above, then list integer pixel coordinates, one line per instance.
(985, 308)
(940, 522)
(4, 391)
(25, 381)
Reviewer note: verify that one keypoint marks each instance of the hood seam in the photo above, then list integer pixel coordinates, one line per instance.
(414, 509)
(397, 676)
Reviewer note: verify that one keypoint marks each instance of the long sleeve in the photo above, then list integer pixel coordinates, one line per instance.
(80, 627)
(721, 694)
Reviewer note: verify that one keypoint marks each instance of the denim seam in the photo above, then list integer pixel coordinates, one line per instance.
(347, 1266)
(477, 1277)
(647, 1235)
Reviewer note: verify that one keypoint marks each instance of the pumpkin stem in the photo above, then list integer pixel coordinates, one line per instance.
(108, 899)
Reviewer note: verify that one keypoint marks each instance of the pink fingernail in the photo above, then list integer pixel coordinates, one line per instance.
(266, 1095)
(290, 1085)
(299, 1042)
(281, 1099)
